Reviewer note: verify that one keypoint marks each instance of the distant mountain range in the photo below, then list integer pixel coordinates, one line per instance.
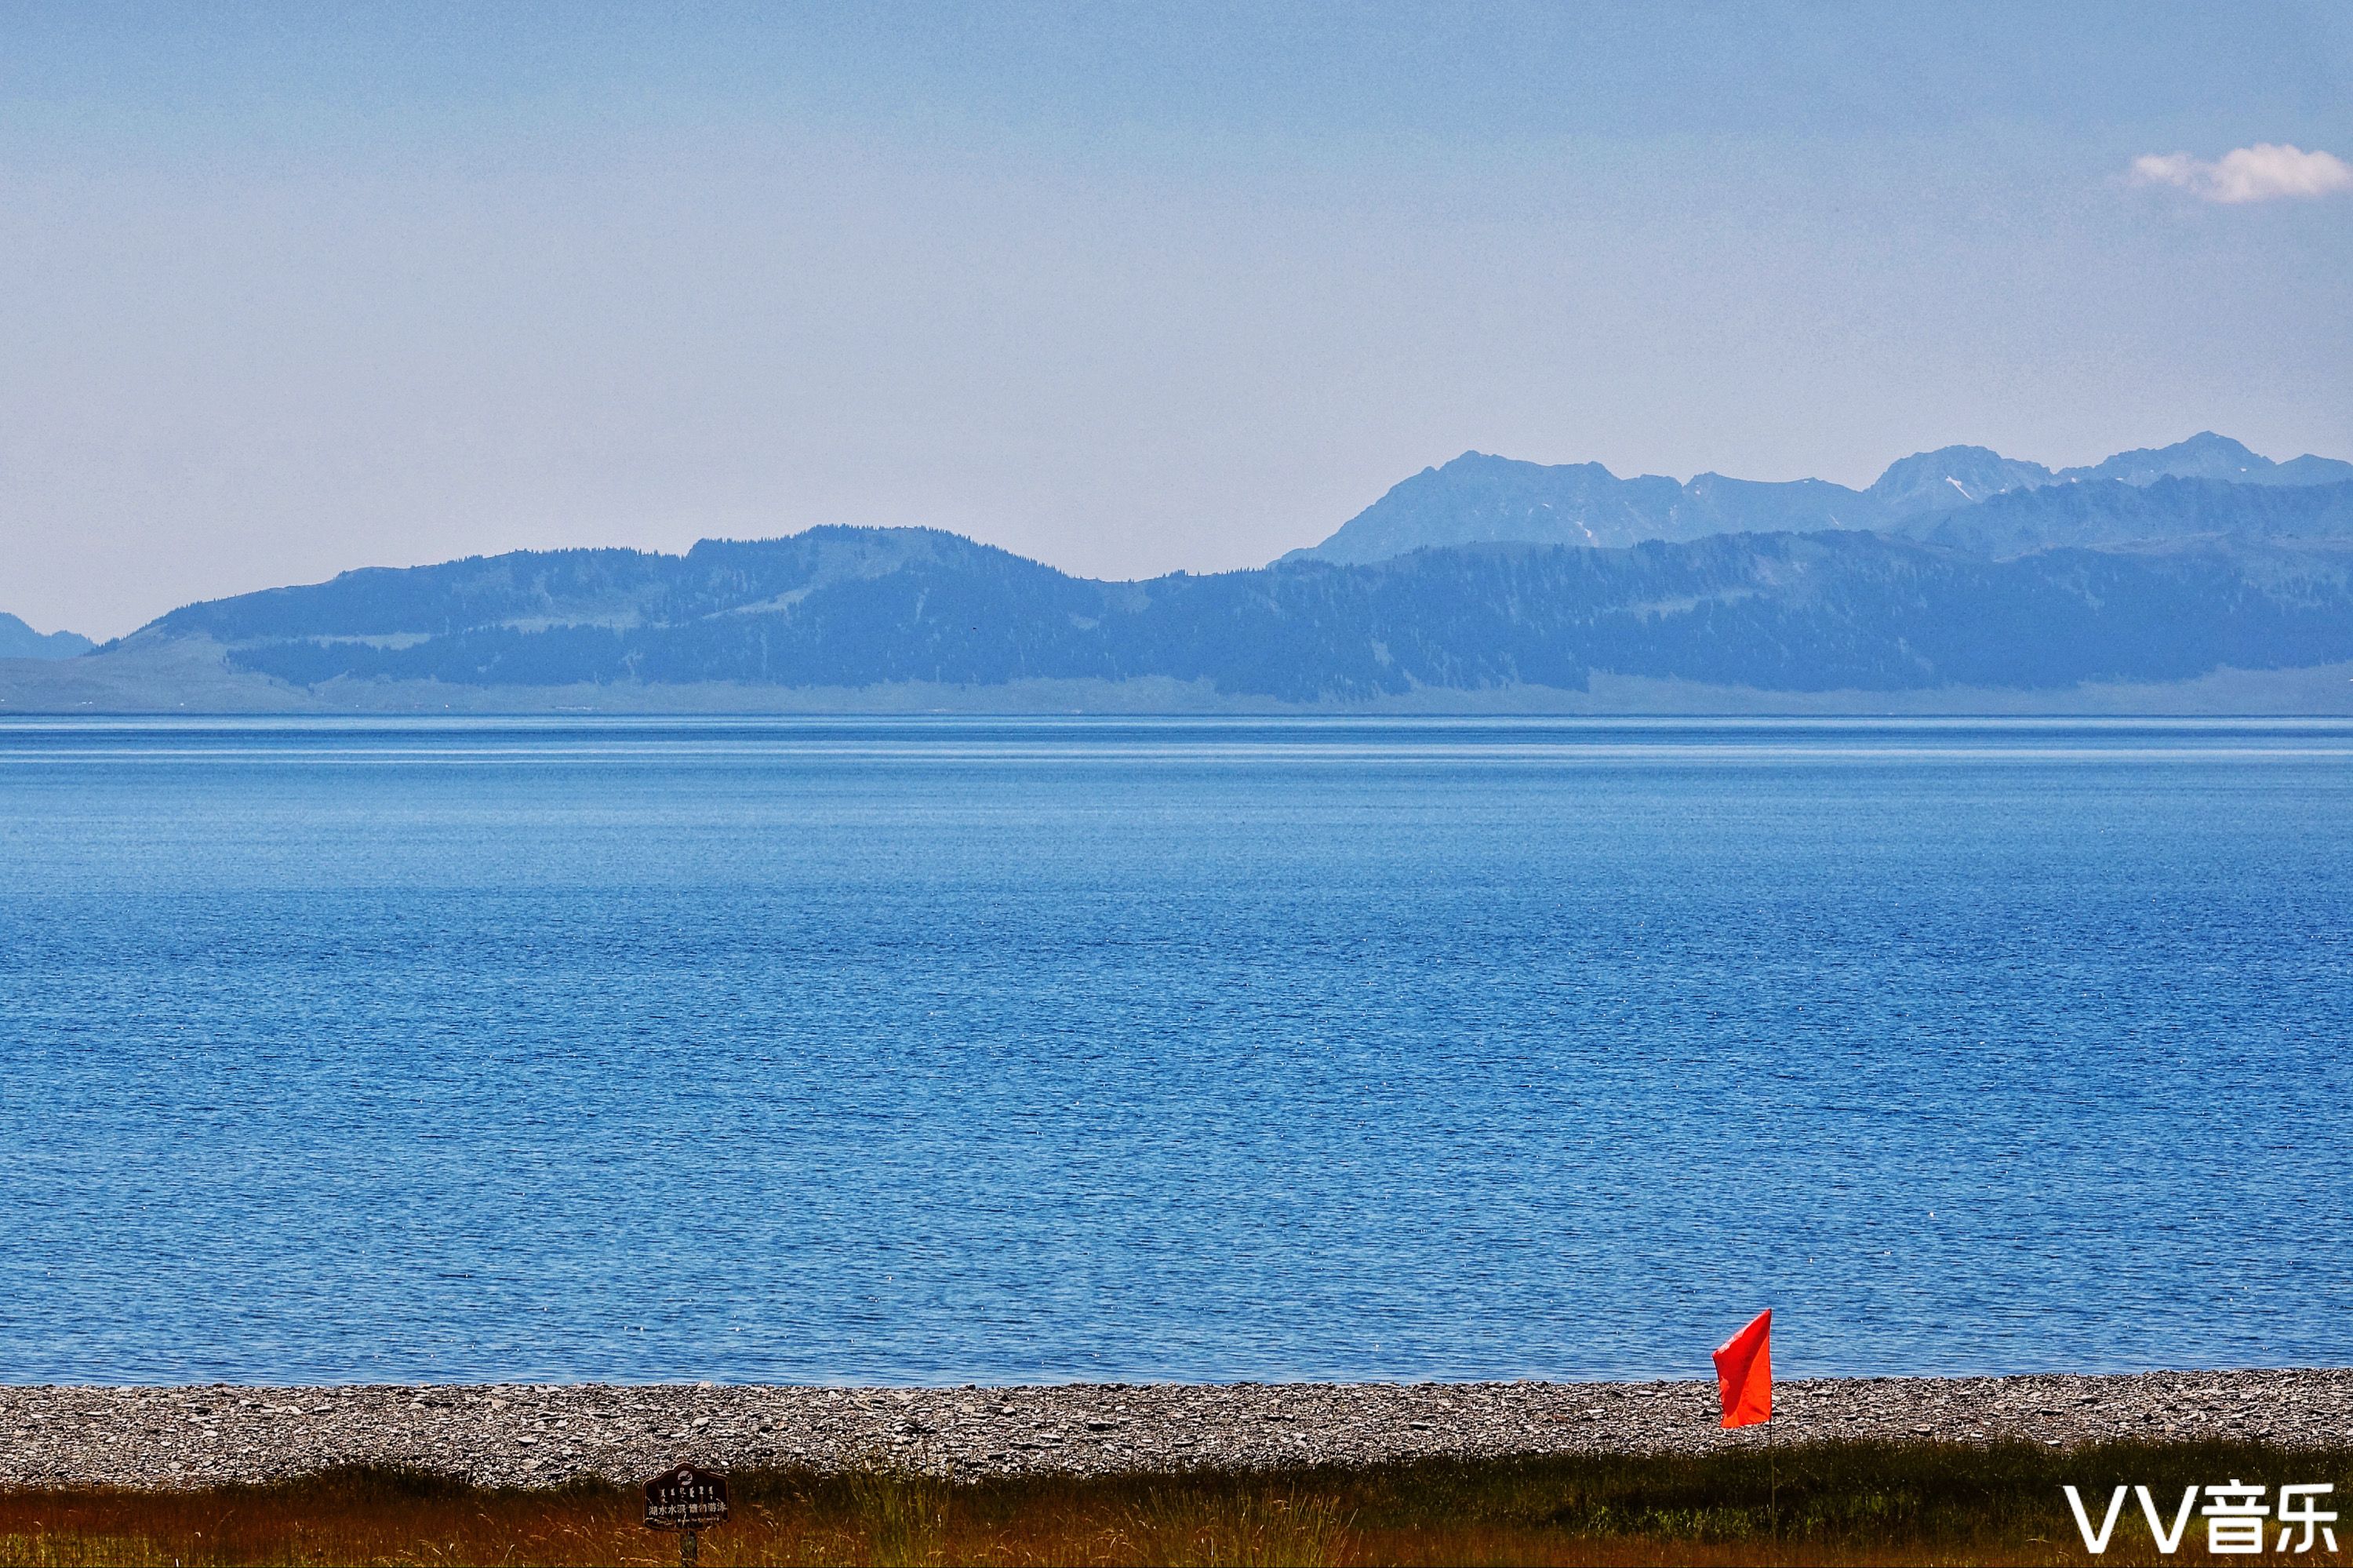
(851, 608)
(1477, 498)
(18, 640)
(2048, 590)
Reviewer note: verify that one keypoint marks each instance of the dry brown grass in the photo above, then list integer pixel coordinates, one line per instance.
(1834, 1503)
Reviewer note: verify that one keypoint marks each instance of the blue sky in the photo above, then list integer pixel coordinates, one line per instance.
(1126, 289)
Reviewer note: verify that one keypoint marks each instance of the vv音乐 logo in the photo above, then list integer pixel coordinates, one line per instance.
(2236, 1515)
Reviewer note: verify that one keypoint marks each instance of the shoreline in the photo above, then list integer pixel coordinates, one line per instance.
(189, 676)
(513, 1435)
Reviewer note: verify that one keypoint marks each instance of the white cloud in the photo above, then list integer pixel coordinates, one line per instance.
(2263, 171)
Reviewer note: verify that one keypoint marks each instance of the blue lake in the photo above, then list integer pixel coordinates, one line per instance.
(915, 1050)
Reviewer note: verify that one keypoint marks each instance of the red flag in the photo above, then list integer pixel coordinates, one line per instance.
(1743, 1373)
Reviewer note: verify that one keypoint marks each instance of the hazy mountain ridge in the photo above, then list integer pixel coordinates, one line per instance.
(1481, 499)
(1951, 477)
(2208, 456)
(18, 640)
(2101, 512)
(859, 607)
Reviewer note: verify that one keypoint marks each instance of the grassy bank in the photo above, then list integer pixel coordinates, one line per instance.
(1832, 1503)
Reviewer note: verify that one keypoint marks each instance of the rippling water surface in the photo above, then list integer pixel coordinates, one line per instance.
(949, 1051)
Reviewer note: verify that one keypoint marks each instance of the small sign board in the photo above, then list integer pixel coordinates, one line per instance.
(686, 1497)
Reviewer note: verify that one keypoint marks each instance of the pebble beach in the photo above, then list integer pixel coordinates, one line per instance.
(544, 1435)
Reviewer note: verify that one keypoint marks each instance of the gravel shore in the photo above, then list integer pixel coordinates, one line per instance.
(540, 1436)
